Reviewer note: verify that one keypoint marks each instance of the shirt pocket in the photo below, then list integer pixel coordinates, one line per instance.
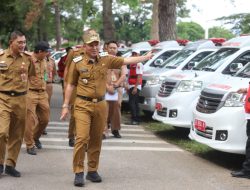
(5, 71)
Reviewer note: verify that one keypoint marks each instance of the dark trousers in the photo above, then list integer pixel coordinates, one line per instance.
(134, 105)
(246, 164)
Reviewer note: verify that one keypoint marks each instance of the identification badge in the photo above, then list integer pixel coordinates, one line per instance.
(77, 59)
(103, 54)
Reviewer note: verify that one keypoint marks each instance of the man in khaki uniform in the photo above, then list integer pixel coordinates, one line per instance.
(15, 68)
(115, 80)
(89, 74)
(71, 55)
(50, 73)
(37, 100)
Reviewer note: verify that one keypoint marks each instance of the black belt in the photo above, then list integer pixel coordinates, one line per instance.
(13, 93)
(95, 100)
(37, 90)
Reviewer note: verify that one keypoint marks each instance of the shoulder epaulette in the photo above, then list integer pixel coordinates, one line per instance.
(77, 59)
(27, 53)
(103, 54)
(1, 52)
(76, 49)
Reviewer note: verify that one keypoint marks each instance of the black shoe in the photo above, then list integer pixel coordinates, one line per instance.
(1, 169)
(12, 171)
(94, 177)
(31, 151)
(241, 173)
(116, 134)
(38, 144)
(79, 181)
(71, 142)
(45, 132)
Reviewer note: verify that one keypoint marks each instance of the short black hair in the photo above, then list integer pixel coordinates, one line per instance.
(15, 34)
(112, 42)
(67, 49)
(41, 46)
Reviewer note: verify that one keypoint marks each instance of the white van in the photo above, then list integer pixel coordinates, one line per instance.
(183, 60)
(219, 117)
(178, 94)
(162, 51)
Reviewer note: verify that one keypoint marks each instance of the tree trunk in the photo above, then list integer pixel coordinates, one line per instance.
(167, 19)
(108, 22)
(155, 21)
(58, 24)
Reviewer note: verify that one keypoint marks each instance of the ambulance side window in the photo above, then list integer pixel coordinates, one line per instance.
(238, 63)
(193, 62)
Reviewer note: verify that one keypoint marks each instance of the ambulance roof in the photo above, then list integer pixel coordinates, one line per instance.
(166, 44)
(200, 44)
(238, 42)
(141, 45)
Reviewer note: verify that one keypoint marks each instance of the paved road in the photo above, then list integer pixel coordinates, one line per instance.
(138, 161)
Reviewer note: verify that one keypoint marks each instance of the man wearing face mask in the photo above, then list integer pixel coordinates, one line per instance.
(38, 104)
(88, 73)
(15, 68)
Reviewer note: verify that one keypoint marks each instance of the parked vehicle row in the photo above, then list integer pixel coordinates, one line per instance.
(204, 98)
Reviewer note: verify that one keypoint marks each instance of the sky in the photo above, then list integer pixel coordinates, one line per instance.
(208, 10)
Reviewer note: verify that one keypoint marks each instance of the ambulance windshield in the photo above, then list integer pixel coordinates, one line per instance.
(174, 61)
(215, 60)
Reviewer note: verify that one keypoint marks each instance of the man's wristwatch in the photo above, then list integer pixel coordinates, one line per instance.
(65, 106)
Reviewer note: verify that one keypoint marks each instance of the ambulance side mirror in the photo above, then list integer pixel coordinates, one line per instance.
(234, 67)
(158, 62)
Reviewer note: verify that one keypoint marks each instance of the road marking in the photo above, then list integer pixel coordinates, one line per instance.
(108, 141)
(56, 147)
(54, 123)
(66, 128)
(50, 133)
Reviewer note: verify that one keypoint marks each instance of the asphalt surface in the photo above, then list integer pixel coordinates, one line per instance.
(137, 161)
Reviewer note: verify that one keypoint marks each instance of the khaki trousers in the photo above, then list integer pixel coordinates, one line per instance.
(38, 113)
(12, 126)
(72, 124)
(49, 90)
(114, 115)
(90, 121)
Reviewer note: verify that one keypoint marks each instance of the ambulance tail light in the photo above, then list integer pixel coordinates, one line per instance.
(182, 42)
(218, 41)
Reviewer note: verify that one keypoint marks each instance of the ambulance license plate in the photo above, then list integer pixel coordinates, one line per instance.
(199, 125)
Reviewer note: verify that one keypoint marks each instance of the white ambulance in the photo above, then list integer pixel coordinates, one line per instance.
(219, 117)
(178, 94)
(183, 60)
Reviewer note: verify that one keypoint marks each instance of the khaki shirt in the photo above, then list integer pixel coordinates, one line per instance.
(14, 72)
(38, 82)
(90, 76)
(73, 53)
(50, 70)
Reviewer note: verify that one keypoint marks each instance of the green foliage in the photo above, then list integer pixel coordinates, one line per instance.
(240, 22)
(220, 32)
(182, 11)
(190, 30)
